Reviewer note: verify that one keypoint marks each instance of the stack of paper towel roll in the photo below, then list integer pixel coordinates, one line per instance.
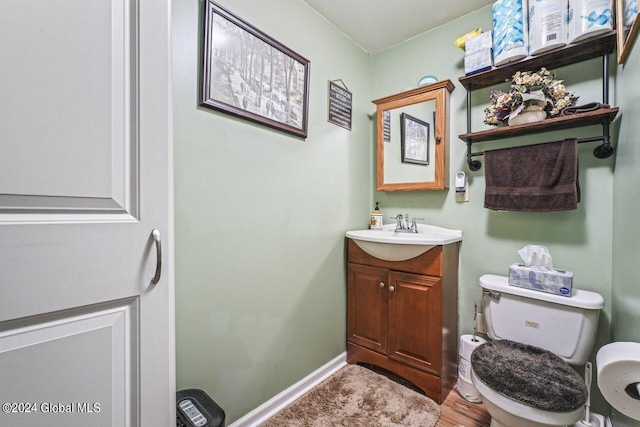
(588, 18)
(465, 386)
(510, 31)
(547, 25)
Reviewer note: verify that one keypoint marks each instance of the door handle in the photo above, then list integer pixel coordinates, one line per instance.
(156, 238)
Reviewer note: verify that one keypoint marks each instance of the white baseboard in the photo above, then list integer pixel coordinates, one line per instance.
(274, 405)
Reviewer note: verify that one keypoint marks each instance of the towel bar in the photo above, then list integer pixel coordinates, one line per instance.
(602, 151)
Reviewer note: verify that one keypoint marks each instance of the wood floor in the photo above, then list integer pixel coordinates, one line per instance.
(457, 412)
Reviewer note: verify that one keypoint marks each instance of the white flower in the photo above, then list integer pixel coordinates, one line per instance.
(529, 88)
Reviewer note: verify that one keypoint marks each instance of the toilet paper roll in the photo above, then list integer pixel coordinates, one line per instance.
(618, 370)
(588, 18)
(547, 25)
(510, 32)
(467, 390)
(464, 368)
(467, 345)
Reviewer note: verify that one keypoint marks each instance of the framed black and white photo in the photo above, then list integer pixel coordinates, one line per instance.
(414, 140)
(628, 25)
(248, 74)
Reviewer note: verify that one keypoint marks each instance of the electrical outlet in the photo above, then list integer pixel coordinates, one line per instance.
(462, 195)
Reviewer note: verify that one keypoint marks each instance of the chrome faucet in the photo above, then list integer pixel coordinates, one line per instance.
(402, 224)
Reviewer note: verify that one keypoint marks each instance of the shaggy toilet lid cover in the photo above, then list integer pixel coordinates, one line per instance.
(530, 375)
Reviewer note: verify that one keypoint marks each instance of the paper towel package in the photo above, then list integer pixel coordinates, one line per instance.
(510, 31)
(478, 61)
(547, 25)
(588, 18)
(480, 42)
(552, 281)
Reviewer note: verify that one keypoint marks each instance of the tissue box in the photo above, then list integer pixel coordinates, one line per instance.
(477, 43)
(558, 282)
(478, 61)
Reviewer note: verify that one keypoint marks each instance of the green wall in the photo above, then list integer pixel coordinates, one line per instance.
(626, 205)
(261, 216)
(578, 240)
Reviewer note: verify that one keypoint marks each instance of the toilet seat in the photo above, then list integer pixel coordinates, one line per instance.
(529, 375)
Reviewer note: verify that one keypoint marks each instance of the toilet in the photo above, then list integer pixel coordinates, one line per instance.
(523, 374)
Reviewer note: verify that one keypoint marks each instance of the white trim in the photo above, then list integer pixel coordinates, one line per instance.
(274, 405)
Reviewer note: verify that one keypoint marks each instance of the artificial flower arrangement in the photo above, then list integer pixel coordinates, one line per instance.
(528, 89)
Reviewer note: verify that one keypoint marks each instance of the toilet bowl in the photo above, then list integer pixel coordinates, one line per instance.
(506, 412)
(524, 326)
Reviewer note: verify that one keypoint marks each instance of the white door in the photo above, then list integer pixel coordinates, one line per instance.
(86, 338)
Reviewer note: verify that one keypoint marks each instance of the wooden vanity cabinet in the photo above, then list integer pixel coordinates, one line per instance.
(402, 316)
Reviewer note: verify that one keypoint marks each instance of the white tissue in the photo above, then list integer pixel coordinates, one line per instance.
(536, 256)
(537, 272)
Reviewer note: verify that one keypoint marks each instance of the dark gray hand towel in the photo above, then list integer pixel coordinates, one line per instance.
(585, 108)
(533, 178)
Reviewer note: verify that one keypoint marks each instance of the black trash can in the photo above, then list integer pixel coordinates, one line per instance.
(196, 409)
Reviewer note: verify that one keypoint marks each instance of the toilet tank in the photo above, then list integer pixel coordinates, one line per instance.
(563, 325)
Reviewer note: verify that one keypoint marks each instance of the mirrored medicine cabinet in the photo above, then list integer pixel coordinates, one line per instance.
(412, 139)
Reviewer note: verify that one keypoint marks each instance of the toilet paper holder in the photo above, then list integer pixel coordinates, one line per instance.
(619, 376)
(633, 390)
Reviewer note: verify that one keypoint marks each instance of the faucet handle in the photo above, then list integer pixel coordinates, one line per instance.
(414, 225)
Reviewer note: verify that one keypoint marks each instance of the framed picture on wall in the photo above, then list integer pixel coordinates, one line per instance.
(249, 74)
(414, 140)
(628, 25)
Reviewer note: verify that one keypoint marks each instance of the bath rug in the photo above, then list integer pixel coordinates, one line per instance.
(358, 397)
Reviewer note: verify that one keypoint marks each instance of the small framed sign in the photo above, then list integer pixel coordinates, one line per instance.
(340, 104)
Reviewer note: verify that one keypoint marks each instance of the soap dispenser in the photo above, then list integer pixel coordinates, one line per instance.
(376, 219)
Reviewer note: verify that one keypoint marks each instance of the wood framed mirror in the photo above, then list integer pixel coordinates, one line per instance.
(423, 137)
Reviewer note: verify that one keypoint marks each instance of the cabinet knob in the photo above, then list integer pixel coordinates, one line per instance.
(392, 288)
(381, 284)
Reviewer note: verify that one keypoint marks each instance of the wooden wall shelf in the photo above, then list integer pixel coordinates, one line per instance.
(576, 52)
(596, 117)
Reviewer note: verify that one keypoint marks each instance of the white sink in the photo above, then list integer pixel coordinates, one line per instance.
(388, 245)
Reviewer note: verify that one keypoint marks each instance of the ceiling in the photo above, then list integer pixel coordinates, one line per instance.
(376, 25)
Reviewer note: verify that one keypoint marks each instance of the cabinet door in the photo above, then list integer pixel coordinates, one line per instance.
(415, 320)
(367, 307)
